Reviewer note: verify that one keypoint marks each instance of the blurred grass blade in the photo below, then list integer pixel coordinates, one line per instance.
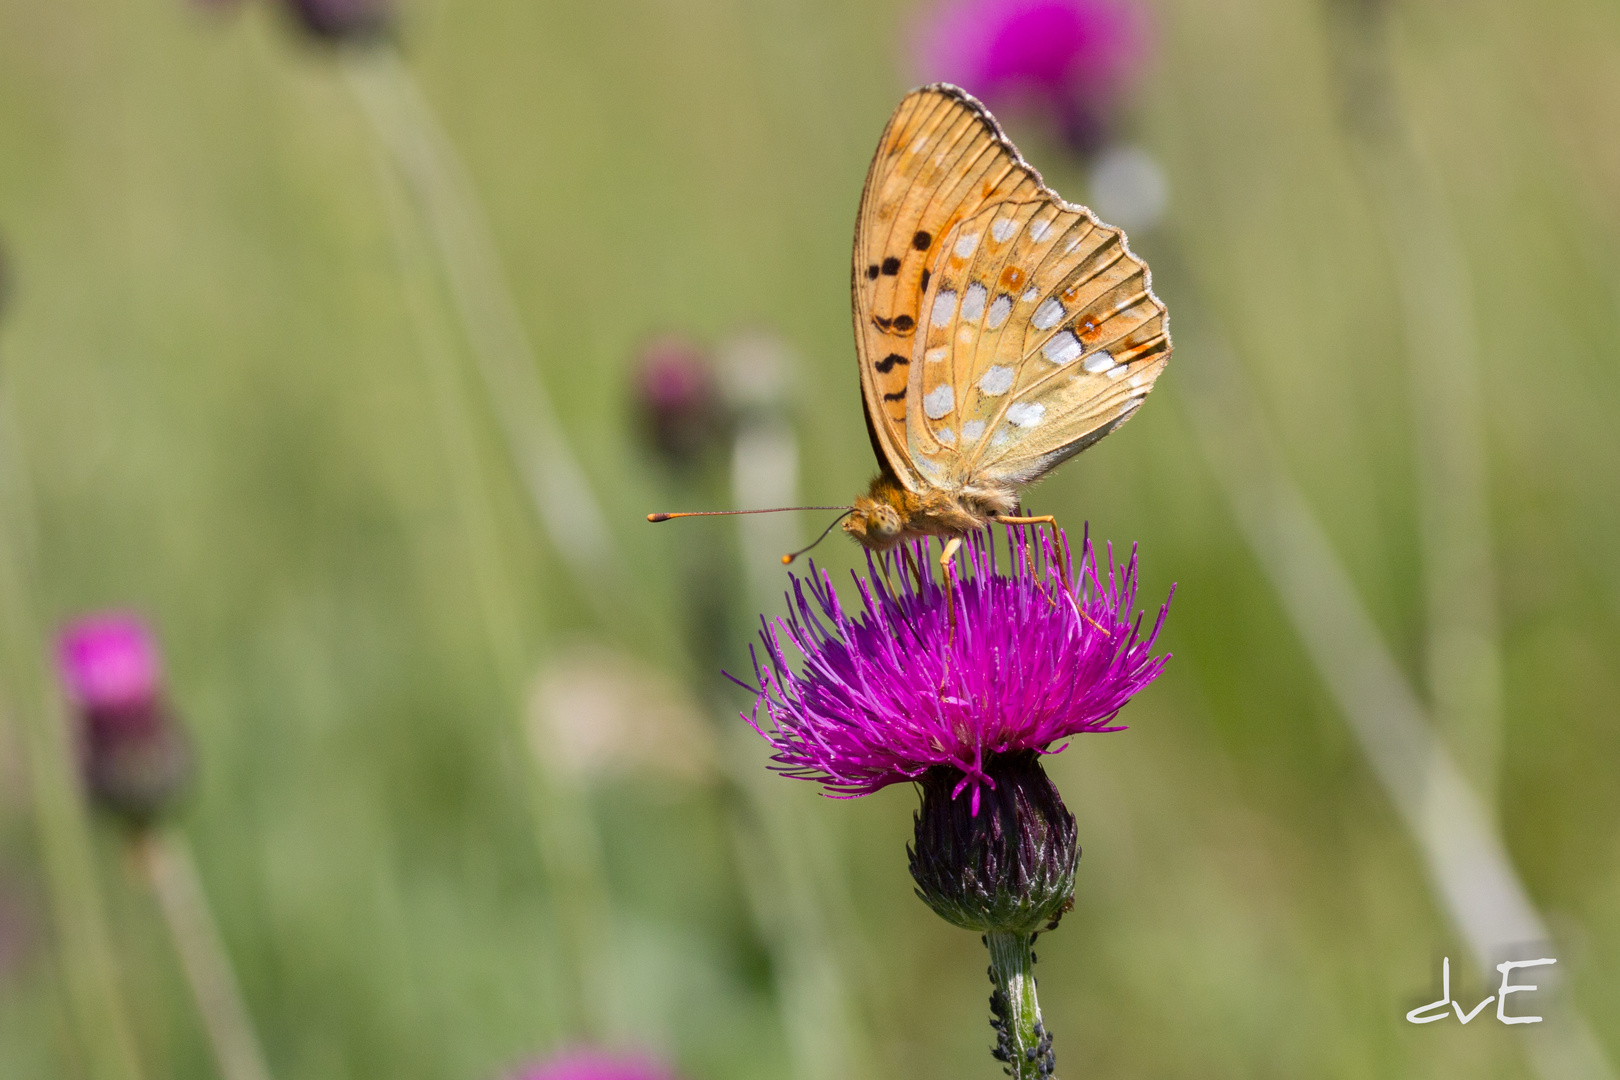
(796, 871)
(100, 1022)
(166, 860)
(1468, 864)
(585, 987)
(558, 490)
(1435, 288)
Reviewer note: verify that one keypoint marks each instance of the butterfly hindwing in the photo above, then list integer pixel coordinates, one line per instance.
(941, 161)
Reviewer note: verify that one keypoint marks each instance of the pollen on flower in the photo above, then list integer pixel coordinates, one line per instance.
(1044, 647)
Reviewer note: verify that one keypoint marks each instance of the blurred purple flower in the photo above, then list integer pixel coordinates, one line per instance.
(584, 1063)
(894, 691)
(109, 661)
(136, 758)
(678, 398)
(1069, 58)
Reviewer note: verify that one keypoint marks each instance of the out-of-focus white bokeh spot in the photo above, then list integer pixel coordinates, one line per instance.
(594, 711)
(1128, 188)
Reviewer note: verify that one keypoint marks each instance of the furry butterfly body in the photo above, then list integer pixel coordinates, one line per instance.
(999, 329)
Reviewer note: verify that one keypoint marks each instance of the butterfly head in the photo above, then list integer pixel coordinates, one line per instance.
(880, 517)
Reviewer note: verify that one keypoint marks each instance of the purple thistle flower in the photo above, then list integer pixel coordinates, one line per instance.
(887, 694)
(1071, 58)
(585, 1063)
(109, 661)
(135, 757)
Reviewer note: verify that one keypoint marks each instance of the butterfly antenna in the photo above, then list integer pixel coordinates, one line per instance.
(787, 560)
(727, 513)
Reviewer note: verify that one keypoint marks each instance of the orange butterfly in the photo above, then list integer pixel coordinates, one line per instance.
(999, 329)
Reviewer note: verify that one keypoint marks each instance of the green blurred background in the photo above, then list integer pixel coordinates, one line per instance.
(219, 393)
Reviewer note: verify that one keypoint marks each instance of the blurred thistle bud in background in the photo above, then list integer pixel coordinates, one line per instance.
(344, 20)
(136, 758)
(1011, 865)
(677, 399)
(585, 1063)
(1067, 60)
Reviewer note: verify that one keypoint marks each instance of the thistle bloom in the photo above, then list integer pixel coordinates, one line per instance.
(135, 757)
(962, 687)
(590, 1064)
(1071, 58)
(1035, 656)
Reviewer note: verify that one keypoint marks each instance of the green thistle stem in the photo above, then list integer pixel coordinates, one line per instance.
(166, 860)
(1022, 1040)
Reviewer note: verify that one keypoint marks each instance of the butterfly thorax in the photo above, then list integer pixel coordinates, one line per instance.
(889, 513)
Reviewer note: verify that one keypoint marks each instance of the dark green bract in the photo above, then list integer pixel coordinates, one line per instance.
(1010, 866)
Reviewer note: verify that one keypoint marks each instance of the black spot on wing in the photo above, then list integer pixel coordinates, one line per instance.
(891, 266)
(881, 323)
(872, 272)
(904, 323)
(886, 364)
(898, 395)
(926, 275)
(921, 241)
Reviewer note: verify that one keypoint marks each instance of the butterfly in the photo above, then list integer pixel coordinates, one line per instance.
(999, 329)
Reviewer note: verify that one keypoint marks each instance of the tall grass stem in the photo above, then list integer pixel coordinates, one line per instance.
(442, 192)
(100, 1022)
(1434, 286)
(1469, 867)
(165, 858)
(584, 981)
(797, 879)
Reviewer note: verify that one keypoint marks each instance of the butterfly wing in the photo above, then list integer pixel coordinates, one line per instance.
(941, 161)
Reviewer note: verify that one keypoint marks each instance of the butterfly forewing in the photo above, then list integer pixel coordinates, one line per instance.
(940, 162)
(1000, 329)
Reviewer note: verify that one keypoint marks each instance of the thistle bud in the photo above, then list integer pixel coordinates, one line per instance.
(135, 756)
(344, 20)
(1000, 857)
(678, 398)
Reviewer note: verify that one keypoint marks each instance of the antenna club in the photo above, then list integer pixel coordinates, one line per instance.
(787, 560)
(657, 517)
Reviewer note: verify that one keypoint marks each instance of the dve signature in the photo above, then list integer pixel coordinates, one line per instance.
(1417, 1016)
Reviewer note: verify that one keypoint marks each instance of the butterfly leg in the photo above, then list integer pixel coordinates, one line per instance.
(1057, 546)
(911, 564)
(883, 569)
(946, 566)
